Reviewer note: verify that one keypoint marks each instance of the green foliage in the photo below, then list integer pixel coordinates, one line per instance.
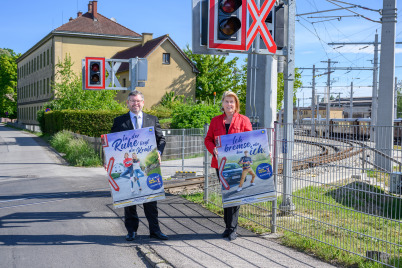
(77, 151)
(8, 83)
(89, 123)
(69, 94)
(297, 83)
(194, 115)
(159, 111)
(216, 75)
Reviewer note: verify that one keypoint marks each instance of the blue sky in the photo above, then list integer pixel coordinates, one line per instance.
(23, 23)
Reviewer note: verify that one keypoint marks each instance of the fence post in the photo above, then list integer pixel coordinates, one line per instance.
(275, 166)
(206, 167)
(182, 149)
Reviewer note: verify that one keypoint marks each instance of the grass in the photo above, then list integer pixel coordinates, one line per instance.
(77, 151)
(329, 221)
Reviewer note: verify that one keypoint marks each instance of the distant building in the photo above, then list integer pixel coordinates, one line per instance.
(361, 106)
(169, 69)
(92, 34)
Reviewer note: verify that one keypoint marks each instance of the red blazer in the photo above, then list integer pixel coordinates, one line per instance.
(240, 123)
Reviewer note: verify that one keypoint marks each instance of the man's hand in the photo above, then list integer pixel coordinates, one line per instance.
(159, 157)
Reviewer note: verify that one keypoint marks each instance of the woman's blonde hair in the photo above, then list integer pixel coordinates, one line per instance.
(231, 94)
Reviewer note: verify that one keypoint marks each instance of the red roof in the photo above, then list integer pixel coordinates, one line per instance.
(86, 24)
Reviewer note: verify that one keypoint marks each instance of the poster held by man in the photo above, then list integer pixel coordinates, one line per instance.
(133, 167)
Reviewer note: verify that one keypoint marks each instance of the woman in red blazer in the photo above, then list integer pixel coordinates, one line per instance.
(227, 123)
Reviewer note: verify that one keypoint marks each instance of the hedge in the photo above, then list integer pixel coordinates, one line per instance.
(89, 123)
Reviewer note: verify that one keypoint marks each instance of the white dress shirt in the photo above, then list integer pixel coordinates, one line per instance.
(139, 119)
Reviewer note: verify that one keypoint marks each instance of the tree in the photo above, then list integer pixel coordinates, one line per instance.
(216, 75)
(70, 95)
(8, 83)
(297, 83)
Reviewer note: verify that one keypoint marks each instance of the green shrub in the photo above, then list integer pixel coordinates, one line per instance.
(61, 140)
(194, 115)
(77, 151)
(89, 123)
(160, 111)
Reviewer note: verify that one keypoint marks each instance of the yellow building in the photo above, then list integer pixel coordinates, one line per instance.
(305, 112)
(93, 35)
(169, 69)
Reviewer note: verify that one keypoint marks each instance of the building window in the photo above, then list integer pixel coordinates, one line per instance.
(166, 58)
(124, 82)
(47, 56)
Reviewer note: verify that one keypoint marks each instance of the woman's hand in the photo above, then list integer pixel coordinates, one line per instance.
(216, 152)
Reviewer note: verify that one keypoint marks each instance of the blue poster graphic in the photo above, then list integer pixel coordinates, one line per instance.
(133, 167)
(245, 168)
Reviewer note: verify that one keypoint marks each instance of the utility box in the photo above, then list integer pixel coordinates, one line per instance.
(395, 184)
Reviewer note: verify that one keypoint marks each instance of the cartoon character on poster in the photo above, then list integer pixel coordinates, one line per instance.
(245, 168)
(133, 167)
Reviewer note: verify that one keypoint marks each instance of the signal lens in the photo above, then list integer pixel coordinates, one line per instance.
(95, 67)
(230, 6)
(230, 26)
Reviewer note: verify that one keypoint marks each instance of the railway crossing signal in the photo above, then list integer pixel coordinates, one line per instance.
(227, 24)
(94, 73)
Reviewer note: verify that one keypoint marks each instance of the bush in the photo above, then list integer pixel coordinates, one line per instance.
(77, 151)
(89, 123)
(194, 115)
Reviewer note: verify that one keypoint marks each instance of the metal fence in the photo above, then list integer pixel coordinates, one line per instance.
(343, 194)
(183, 153)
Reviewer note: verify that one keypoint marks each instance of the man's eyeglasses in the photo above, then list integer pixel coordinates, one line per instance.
(135, 101)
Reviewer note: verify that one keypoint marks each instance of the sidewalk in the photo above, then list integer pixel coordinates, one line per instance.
(195, 241)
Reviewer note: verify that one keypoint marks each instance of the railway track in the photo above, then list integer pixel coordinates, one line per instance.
(328, 153)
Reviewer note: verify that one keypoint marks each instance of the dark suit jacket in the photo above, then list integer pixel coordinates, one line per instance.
(123, 123)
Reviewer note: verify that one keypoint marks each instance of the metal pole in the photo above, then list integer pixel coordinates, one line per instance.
(313, 102)
(351, 100)
(385, 115)
(182, 149)
(288, 76)
(298, 111)
(275, 167)
(396, 98)
(206, 167)
(328, 94)
(374, 94)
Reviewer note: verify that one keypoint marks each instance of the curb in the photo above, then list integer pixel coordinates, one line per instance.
(154, 259)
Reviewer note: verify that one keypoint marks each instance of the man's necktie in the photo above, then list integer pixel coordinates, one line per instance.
(136, 123)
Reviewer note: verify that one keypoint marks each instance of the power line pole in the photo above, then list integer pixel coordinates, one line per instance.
(351, 101)
(288, 77)
(328, 94)
(374, 102)
(385, 115)
(396, 98)
(313, 102)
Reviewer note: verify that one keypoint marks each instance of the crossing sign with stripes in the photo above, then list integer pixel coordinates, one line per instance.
(259, 16)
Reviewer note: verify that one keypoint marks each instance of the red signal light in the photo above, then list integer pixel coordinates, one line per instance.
(95, 67)
(230, 6)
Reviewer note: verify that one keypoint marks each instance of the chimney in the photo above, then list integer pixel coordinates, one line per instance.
(146, 37)
(79, 14)
(95, 10)
(90, 7)
(70, 19)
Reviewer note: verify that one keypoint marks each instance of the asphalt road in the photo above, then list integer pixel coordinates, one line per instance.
(53, 215)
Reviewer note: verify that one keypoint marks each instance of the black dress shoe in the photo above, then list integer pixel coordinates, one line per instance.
(130, 236)
(232, 236)
(159, 235)
(226, 233)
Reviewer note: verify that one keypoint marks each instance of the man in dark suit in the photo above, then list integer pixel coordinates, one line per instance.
(135, 119)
